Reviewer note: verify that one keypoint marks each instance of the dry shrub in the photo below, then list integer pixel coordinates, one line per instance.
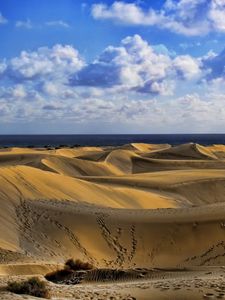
(78, 265)
(70, 267)
(33, 287)
(58, 275)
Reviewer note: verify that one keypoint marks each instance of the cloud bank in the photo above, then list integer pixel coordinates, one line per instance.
(187, 17)
(133, 84)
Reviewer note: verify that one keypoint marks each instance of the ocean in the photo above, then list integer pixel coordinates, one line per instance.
(107, 139)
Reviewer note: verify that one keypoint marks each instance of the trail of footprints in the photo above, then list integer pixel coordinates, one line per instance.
(206, 257)
(122, 254)
(28, 218)
(133, 244)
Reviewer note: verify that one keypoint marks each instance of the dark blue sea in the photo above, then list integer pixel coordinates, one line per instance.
(107, 140)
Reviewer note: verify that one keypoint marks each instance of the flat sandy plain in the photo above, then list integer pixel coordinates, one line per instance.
(152, 209)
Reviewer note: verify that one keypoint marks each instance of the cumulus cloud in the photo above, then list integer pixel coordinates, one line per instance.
(57, 61)
(123, 12)
(187, 17)
(186, 66)
(130, 83)
(216, 15)
(136, 65)
(133, 66)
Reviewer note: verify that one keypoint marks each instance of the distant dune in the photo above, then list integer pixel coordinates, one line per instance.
(135, 206)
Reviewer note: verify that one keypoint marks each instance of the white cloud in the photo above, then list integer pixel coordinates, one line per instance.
(52, 62)
(193, 112)
(24, 24)
(28, 24)
(133, 66)
(128, 13)
(50, 88)
(133, 83)
(136, 65)
(58, 23)
(217, 15)
(187, 66)
(187, 17)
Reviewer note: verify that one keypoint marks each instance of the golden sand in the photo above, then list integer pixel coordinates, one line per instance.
(136, 206)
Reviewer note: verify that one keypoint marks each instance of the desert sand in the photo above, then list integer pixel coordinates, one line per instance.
(156, 210)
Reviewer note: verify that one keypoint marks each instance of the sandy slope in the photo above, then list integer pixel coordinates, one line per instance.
(138, 205)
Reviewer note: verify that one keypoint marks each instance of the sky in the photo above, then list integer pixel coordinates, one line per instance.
(145, 66)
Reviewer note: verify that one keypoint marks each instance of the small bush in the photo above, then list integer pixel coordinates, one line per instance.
(58, 275)
(78, 265)
(33, 287)
(70, 267)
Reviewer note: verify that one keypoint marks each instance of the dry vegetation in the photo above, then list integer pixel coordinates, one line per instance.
(70, 267)
(33, 287)
(78, 265)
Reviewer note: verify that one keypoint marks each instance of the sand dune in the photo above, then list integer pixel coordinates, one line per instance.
(140, 205)
(188, 151)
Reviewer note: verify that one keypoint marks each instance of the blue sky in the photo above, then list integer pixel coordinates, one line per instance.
(94, 66)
